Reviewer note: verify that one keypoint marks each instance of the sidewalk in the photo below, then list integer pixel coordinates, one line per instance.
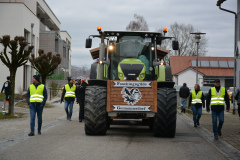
(230, 130)
(13, 127)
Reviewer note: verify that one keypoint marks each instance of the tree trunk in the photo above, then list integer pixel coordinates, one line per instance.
(44, 77)
(12, 91)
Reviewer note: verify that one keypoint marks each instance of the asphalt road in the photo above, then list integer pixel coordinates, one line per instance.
(67, 140)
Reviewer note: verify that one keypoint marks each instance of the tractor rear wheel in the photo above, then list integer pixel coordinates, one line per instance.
(95, 114)
(165, 119)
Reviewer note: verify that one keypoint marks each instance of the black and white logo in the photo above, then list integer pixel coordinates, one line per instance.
(131, 96)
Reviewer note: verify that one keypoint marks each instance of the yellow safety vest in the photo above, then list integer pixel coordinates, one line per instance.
(70, 92)
(196, 98)
(36, 94)
(217, 98)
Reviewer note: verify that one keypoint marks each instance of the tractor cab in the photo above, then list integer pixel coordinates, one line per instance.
(129, 55)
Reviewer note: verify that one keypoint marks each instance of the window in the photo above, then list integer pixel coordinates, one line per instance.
(27, 35)
(223, 64)
(64, 52)
(56, 45)
(231, 64)
(214, 64)
(193, 63)
(204, 63)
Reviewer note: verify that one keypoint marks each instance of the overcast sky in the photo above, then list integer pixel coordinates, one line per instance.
(81, 18)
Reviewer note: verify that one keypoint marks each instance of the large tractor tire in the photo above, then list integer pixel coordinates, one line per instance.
(95, 114)
(164, 124)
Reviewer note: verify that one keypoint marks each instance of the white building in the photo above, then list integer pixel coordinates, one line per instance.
(27, 18)
(209, 69)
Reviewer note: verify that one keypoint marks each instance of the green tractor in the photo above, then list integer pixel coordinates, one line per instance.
(129, 81)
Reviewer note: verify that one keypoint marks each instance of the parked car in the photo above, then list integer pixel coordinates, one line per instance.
(177, 88)
(205, 90)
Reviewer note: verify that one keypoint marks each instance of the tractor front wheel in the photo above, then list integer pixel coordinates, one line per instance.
(95, 114)
(164, 124)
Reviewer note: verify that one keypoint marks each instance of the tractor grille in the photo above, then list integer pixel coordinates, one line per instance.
(131, 71)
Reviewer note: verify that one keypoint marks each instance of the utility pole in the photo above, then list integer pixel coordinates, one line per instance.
(219, 2)
(32, 25)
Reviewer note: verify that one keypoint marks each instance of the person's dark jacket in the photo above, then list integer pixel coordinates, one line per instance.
(184, 92)
(81, 92)
(44, 95)
(197, 104)
(217, 107)
(237, 96)
(68, 98)
(6, 87)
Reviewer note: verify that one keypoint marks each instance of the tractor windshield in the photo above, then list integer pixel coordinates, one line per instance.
(131, 47)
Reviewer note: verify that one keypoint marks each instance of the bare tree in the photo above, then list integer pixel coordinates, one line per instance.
(187, 45)
(139, 24)
(45, 64)
(17, 57)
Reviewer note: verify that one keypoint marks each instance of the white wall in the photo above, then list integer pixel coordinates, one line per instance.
(189, 77)
(14, 24)
(49, 12)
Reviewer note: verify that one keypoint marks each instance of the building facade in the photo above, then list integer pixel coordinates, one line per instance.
(209, 69)
(34, 20)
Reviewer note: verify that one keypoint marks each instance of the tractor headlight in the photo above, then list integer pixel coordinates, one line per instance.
(124, 78)
(120, 74)
(137, 78)
(141, 76)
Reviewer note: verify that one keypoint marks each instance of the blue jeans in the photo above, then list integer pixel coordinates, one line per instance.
(197, 112)
(35, 108)
(69, 104)
(183, 102)
(220, 115)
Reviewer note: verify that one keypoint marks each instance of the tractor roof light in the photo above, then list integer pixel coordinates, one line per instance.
(100, 62)
(99, 28)
(164, 30)
(162, 63)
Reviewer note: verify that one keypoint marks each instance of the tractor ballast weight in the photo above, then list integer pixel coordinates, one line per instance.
(129, 80)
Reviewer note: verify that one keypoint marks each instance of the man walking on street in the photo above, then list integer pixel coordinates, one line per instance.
(237, 97)
(184, 93)
(217, 97)
(80, 98)
(36, 98)
(69, 93)
(6, 89)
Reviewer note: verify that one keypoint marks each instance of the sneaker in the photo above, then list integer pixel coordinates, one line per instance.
(69, 119)
(80, 120)
(31, 134)
(39, 132)
(195, 124)
(184, 110)
(219, 133)
(216, 138)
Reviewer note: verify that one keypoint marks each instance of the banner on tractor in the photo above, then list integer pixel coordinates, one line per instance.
(131, 84)
(130, 108)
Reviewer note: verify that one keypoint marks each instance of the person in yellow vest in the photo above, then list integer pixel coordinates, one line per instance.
(36, 98)
(197, 101)
(217, 97)
(69, 94)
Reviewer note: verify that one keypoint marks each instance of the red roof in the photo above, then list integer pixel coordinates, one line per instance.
(181, 63)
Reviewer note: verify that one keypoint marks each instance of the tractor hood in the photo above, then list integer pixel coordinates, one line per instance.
(131, 69)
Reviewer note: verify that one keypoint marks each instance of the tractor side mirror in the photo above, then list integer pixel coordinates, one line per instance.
(175, 45)
(88, 43)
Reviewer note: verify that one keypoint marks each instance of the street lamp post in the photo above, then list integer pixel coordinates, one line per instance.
(197, 38)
